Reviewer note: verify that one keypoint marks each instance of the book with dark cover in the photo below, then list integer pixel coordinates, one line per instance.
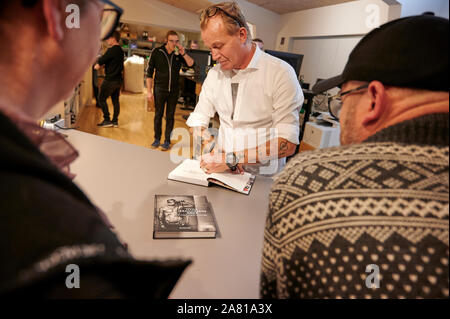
(183, 216)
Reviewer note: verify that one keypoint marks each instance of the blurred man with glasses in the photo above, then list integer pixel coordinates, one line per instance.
(47, 222)
(256, 96)
(164, 91)
(370, 219)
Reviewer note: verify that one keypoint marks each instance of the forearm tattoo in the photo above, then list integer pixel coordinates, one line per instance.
(283, 149)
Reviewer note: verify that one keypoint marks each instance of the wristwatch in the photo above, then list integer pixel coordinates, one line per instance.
(231, 160)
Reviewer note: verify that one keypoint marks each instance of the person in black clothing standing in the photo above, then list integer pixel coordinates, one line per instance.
(167, 60)
(113, 62)
(95, 85)
(47, 223)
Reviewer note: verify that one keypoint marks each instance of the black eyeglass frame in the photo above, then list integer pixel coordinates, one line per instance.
(115, 8)
(216, 9)
(119, 12)
(340, 95)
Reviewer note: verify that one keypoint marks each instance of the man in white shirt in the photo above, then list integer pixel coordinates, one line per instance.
(257, 97)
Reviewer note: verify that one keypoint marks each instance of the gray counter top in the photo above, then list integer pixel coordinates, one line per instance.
(122, 180)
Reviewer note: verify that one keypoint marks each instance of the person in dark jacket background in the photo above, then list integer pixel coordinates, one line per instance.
(375, 225)
(113, 62)
(167, 61)
(47, 222)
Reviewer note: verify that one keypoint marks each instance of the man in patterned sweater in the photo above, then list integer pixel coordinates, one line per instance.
(370, 219)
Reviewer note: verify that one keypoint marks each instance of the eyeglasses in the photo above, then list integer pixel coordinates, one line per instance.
(212, 11)
(110, 19)
(335, 101)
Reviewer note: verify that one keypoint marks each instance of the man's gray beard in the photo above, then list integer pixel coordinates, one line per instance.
(349, 133)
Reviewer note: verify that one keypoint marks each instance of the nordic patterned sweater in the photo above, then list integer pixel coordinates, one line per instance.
(363, 221)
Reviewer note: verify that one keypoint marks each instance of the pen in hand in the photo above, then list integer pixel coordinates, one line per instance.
(212, 147)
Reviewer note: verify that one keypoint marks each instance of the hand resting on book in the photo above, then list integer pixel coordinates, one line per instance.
(215, 163)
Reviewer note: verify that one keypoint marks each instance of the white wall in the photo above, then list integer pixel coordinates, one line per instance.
(156, 13)
(350, 18)
(327, 35)
(267, 23)
(324, 57)
(416, 7)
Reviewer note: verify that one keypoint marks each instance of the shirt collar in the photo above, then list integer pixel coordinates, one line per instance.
(52, 144)
(254, 62)
(255, 59)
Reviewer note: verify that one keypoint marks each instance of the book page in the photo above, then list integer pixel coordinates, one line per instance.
(192, 167)
(189, 171)
(235, 181)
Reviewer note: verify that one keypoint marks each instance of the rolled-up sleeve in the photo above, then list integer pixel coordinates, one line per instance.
(204, 110)
(288, 100)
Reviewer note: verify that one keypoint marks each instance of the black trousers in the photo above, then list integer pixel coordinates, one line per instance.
(110, 89)
(163, 98)
(95, 85)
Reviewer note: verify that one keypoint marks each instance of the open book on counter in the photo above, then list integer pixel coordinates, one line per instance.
(189, 171)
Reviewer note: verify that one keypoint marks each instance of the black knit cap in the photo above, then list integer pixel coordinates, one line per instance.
(411, 52)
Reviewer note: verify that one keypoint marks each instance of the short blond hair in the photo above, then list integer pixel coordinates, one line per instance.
(233, 21)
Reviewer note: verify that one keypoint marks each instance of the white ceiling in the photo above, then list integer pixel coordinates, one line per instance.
(278, 6)
(286, 6)
(195, 6)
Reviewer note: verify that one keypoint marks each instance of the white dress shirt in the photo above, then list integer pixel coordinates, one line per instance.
(267, 104)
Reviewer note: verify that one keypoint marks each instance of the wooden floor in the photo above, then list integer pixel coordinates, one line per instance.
(135, 122)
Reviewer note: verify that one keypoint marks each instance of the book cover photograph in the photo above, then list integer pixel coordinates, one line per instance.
(183, 216)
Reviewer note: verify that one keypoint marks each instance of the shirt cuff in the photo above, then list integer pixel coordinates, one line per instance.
(196, 119)
(289, 132)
